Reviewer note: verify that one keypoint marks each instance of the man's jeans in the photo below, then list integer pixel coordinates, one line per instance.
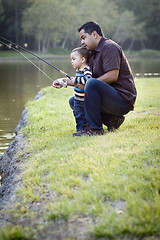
(79, 114)
(102, 103)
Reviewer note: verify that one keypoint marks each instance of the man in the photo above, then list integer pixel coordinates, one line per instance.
(111, 93)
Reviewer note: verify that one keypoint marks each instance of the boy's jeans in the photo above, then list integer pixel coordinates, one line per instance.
(102, 103)
(78, 111)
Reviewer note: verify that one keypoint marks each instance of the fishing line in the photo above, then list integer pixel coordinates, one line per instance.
(9, 46)
(62, 72)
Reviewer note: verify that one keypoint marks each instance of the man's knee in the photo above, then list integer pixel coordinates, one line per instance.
(95, 84)
(91, 83)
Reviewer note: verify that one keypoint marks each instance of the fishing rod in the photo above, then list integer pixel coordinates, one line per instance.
(9, 46)
(17, 45)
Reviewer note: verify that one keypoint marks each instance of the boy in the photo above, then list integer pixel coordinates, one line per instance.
(80, 59)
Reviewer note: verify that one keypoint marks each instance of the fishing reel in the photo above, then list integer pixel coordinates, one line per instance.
(63, 82)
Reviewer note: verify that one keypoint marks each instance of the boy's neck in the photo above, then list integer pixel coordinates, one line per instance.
(82, 66)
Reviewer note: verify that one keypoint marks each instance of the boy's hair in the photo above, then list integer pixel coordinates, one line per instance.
(89, 27)
(83, 52)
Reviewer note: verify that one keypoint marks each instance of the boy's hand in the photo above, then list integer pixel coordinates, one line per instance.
(57, 83)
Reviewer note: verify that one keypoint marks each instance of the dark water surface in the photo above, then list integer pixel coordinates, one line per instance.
(20, 81)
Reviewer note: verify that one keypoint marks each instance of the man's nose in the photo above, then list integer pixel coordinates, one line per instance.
(82, 41)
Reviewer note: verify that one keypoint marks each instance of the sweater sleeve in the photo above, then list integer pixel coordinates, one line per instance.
(87, 73)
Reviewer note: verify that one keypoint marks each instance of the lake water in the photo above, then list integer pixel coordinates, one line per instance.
(20, 81)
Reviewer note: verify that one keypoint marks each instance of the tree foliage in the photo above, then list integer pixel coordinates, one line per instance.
(43, 20)
(12, 18)
(48, 24)
(128, 29)
(148, 12)
(1, 11)
(59, 20)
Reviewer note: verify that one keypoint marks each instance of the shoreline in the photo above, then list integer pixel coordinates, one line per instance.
(11, 161)
(8, 59)
(12, 55)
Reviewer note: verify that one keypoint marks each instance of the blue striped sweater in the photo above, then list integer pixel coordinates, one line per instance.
(81, 77)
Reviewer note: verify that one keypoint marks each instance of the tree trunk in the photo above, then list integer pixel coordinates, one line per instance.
(64, 41)
(16, 23)
(45, 43)
(131, 45)
(39, 45)
(142, 44)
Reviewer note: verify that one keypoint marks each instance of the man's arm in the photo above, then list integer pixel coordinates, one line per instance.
(110, 76)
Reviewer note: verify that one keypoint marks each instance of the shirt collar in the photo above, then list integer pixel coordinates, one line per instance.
(99, 46)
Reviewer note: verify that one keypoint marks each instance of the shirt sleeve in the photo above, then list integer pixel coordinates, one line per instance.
(111, 58)
(75, 80)
(87, 73)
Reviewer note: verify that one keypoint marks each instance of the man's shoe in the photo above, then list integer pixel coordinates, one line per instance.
(86, 126)
(116, 123)
(89, 132)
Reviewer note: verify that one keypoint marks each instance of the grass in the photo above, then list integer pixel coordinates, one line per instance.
(16, 233)
(113, 179)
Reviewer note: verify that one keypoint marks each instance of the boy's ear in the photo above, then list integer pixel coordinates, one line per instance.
(83, 59)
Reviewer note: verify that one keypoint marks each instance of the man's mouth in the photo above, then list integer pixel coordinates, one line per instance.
(85, 46)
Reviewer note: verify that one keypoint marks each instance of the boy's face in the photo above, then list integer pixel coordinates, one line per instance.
(76, 59)
(88, 41)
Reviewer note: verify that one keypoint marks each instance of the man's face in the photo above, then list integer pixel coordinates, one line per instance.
(88, 41)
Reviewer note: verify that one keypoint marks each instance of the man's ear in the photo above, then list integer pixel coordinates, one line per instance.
(95, 34)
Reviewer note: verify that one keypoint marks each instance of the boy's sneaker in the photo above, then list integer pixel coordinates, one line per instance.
(89, 132)
(116, 123)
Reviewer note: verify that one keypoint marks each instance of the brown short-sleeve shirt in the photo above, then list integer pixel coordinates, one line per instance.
(107, 56)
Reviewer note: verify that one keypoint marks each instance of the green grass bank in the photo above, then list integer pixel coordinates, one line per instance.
(105, 187)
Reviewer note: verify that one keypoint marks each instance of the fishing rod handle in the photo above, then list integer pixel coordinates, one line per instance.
(65, 74)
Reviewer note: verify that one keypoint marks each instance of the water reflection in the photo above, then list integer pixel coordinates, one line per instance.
(145, 67)
(20, 82)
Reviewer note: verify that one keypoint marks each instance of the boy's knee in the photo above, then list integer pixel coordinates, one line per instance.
(71, 103)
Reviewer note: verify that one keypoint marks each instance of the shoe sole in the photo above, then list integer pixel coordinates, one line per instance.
(88, 133)
(112, 129)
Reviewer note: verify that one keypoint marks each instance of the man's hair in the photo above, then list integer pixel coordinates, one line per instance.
(83, 52)
(89, 27)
